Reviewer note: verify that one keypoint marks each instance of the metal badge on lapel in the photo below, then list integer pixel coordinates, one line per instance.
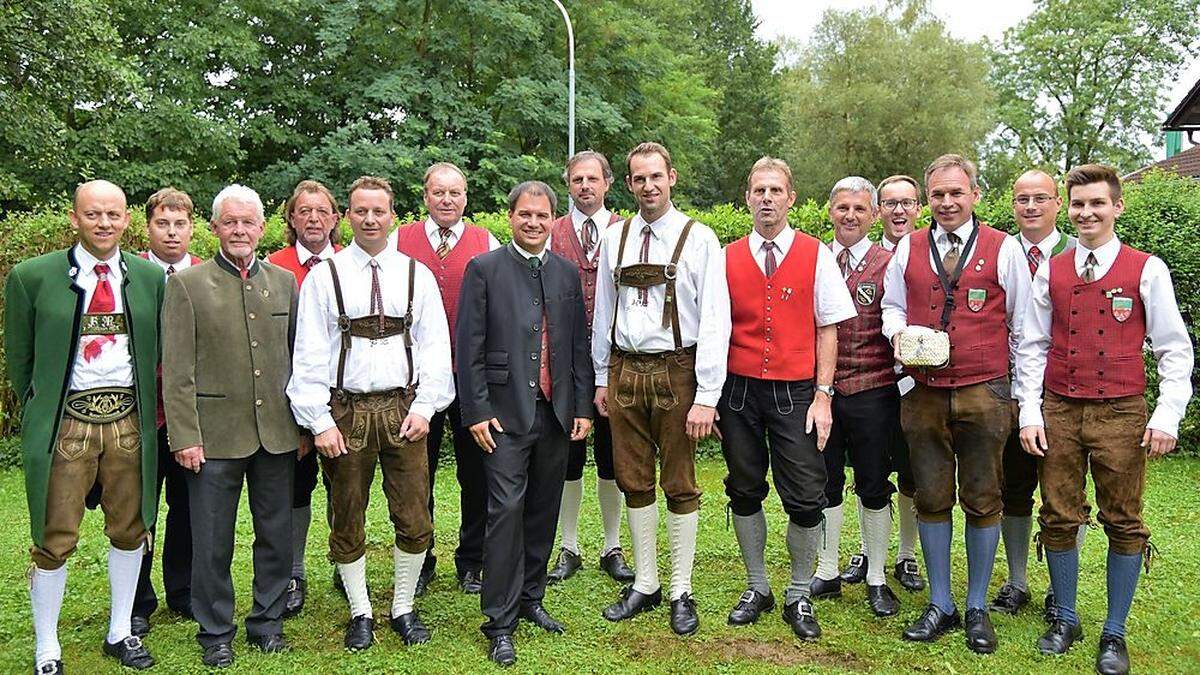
(1122, 308)
(975, 298)
(865, 293)
(979, 268)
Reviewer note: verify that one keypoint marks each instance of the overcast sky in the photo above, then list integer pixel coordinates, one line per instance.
(968, 20)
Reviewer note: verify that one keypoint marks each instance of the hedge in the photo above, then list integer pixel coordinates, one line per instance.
(1162, 215)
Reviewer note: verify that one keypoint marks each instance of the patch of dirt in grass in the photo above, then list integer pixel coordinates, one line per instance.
(730, 649)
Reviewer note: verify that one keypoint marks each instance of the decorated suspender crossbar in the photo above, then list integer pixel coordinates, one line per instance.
(371, 328)
(645, 275)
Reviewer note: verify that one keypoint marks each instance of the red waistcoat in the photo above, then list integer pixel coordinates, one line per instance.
(978, 326)
(865, 357)
(412, 241)
(160, 417)
(774, 325)
(1097, 329)
(565, 242)
(288, 259)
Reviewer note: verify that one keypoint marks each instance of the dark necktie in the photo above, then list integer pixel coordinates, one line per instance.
(102, 302)
(170, 270)
(443, 248)
(376, 294)
(589, 235)
(1034, 256)
(311, 262)
(843, 261)
(950, 260)
(644, 293)
(769, 264)
(1089, 268)
(535, 263)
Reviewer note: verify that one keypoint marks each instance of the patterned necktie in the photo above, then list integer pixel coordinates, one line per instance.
(376, 294)
(102, 302)
(843, 261)
(1034, 256)
(950, 260)
(443, 248)
(644, 293)
(769, 265)
(535, 263)
(589, 235)
(311, 262)
(170, 270)
(1089, 268)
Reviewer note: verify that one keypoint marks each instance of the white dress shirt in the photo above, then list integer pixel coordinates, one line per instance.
(303, 254)
(113, 367)
(887, 244)
(831, 299)
(371, 365)
(701, 298)
(600, 218)
(433, 231)
(184, 262)
(1012, 272)
(1164, 326)
(1046, 246)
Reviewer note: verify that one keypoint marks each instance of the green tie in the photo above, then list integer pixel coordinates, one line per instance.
(535, 263)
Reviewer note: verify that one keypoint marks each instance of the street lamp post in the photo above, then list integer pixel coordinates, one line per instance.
(570, 80)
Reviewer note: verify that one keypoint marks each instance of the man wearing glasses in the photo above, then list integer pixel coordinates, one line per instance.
(899, 208)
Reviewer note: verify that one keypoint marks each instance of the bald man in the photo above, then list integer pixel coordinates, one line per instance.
(82, 390)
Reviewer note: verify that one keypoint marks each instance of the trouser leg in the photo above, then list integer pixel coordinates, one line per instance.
(507, 471)
(145, 600)
(473, 499)
(176, 544)
(547, 467)
(214, 493)
(269, 479)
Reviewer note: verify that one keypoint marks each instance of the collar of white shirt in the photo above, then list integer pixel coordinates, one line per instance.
(87, 262)
(1106, 253)
(526, 255)
(184, 262)
(361, 258)
(600, 218)
(303, 254)
(1046, 246)
(857, 252)
(963, 231)
(783, 241)
(456, 230)
(673, 217)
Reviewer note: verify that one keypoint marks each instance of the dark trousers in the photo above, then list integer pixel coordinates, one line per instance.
(762, 426)
(602, 450)
(1020, 477)
(864, 424)
(900, 462)
(306, 480)
(472, 488)
(176, 544)
(214, 494)
(524, 488)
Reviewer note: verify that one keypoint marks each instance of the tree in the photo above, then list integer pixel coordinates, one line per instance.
(881, 91)
(1081, 81)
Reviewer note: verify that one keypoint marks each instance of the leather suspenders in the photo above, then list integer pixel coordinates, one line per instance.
(645, 275)
(368, 327)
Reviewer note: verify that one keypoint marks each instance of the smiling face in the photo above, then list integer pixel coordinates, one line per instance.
(1094, 213)
(238, 227)
(99, 216)
(951, 198)
(899, 208)
(852, 214)
(587, 186)
(769, 197)
(312, 219)
(1035, 205)
(170, 231)
(531, 218)
(446, 197)
(650, 181)
(370, 215)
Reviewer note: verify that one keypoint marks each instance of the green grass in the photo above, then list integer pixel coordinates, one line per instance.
(1164, 627)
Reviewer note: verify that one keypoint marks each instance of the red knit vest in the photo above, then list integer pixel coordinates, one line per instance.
(865, 357)
(288, 259)
(978, 330)
(565, 242)
(412, 241)
(774, 326)
(1097, 329)
(160, 417)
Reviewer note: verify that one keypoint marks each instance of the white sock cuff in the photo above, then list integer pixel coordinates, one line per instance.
(827, 561)
(643, 526)
(354, 578)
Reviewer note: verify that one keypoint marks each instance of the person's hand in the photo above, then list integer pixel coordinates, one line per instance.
(482, 432)
(191, 458)
(601, 400)
(820, 417)
(415, 427)
(896, 346)
(1157, 443)
(700, 421)
(580, 429)
(330, 443)
(1033, 440)
(306, 446)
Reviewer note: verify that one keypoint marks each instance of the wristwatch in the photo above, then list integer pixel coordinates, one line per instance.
(825, 389)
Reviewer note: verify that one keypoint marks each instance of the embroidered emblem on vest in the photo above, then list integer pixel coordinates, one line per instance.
(865, 293)
(975, 298)
(787, 293)
(1122, 308)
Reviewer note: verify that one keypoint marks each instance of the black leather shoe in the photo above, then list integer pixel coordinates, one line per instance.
(750, 606)
(613, 564)
(882, 601)
(1113, 657)
(856, 571)
(931, 624)
(1009, 600)
(981, 637)
(296, 589)
(219, 655)
(471, 582)
(821, 589)
(800, 616)
(1059, 637)
(631, 604)
(1049, 609)
(139, 625)
(684, 619)
(909, 575)
(274, 643)
(567, 565)
(410, 628)
(130, 652)
(503, 651)
(536, 614)
(360, 633)
(49, 668)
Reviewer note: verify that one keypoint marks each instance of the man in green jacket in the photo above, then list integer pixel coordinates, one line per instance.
(81, 333)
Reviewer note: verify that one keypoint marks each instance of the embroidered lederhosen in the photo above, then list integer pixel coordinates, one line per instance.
(646, 275)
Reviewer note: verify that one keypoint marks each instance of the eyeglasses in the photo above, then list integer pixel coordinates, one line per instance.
(891, 204)
(1036, 200)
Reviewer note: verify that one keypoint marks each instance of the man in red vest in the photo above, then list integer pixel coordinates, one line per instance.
(1092, 310)
(169, 226)
(786, 298)
(312, 236)
(970, 281)
(866, 409)
(445, 244)
(576, 237)
(660, 338)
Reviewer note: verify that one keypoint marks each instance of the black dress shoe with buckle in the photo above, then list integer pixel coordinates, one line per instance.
(1059, 637)
(1049, 609)
(139, 625)
(536, 614)
(981, 636)
(1112, 657)
(360, 632)
(856, 571)
(1009, 600)
(909, 575)
(932, 623)
(49, 668)
(130, 652)
(274, 643)
(471, 582)
(800, 616)
(614, 565)
(567, 565)
(882, 601)
(684, 619)
(750, 606)
(296, 589)
(503, 652)
(821, 589)
(632, 603)
(219, 655)
(410, 628)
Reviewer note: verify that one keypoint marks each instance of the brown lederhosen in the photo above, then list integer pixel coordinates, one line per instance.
(370, 424)
(650, 396)
(108, 452)
(1105, 434)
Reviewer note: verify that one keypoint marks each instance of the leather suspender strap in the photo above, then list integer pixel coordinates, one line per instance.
(670, 309)
(612, 340)
(408, 320)
(343, 323)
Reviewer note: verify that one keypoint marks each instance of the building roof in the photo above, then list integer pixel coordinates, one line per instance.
(1186, 163)
(1186, 115)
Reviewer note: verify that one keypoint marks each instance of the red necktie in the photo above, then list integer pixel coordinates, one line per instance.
(770, 265)
(1035, 258)
(644, 293)
(544, 360)
(311, 262)
(102, 303)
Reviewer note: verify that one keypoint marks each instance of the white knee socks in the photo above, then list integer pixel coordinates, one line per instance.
(681, 534)
(876, 530)
(827, 561)
(354, 578)
(643, 529)
(123, 570)
(568, 515)
(46, 591)
(908, 528)
(609, 496)
(404, 588)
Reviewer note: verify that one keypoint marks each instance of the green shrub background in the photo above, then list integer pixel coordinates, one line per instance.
(1162, 216)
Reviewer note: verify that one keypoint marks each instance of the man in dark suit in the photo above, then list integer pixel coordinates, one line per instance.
(515, 301)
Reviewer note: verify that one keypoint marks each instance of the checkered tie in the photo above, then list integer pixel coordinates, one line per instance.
(1034, 256)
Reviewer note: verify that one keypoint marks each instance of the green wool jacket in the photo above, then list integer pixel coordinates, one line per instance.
(227, 358)
(42, 313)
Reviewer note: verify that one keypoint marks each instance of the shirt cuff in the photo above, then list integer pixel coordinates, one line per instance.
(322, 424)
(1031, 416)
(708, 397)
(423, 409)
(1166, 421)
(602, 378)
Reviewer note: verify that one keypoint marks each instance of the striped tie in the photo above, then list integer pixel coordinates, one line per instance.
(443, 248)
(1034, 256)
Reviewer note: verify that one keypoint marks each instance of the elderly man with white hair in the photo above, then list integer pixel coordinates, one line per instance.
(228, 329)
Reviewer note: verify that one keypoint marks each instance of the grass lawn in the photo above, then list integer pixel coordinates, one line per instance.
(1164, 626)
